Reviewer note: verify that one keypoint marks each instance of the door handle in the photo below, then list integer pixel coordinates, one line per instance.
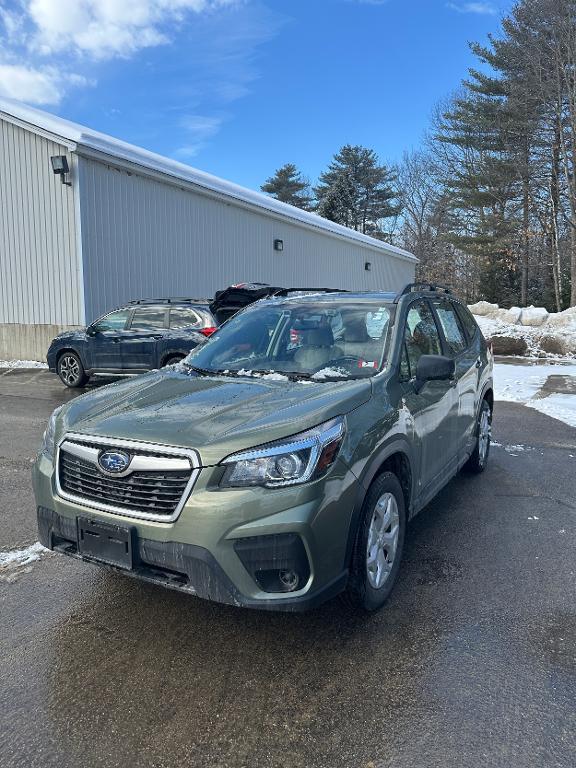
(115, 341)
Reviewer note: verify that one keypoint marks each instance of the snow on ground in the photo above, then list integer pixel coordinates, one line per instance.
(13, 561)
(558, 406)
(22, 364)
(522, 384)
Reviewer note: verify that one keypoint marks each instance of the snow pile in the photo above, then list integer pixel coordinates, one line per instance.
(566, 319)
(530, 331)
(21, 364)
(330, 373)
(524, 383)
(271, 376)
(533, 316)
(14, 560)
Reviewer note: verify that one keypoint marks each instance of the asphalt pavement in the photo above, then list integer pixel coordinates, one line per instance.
(471, 663)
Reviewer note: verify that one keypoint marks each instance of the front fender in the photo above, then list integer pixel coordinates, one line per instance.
(397, 444)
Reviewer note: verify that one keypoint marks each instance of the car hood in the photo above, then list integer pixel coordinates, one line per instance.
(74, 334)
(215, 415)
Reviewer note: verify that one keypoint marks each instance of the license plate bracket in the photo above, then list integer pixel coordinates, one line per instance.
(106, 542)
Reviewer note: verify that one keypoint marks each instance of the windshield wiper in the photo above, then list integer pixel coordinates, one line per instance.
(201, 371)
(217, 371)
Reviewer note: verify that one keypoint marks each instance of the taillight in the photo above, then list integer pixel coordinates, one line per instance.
(208, 331)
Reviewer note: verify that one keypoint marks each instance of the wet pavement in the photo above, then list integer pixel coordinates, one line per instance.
(471, 663)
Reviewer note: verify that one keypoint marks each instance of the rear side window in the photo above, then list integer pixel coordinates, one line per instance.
(467, 320)
(451, 325)
(185, 318)
(148, 317)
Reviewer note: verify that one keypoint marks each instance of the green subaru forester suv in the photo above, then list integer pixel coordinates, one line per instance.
(278, 464)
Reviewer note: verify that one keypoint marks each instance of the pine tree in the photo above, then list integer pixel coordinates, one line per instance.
(289, 186)
(357, 191)
(481, 183)
(508, 147)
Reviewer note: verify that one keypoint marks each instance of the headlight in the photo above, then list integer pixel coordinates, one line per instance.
(303, 457)
(49, 435)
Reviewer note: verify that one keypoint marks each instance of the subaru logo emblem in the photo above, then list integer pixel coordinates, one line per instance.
(114, 462)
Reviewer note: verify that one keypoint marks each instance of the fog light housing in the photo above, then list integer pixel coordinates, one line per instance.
(289, 579)
(277, 563)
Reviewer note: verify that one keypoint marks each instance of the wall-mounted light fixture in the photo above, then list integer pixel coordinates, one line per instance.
(61, 168)
(368, 266)
(278, 245)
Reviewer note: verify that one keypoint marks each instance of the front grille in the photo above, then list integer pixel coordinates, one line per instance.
(156, 494)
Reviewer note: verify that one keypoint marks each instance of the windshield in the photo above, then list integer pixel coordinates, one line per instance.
(336, 339)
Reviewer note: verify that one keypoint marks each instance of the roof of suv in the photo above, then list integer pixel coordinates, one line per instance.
(386, 296)
(178, 300)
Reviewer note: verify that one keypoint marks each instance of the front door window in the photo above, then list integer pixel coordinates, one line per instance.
(421, 335)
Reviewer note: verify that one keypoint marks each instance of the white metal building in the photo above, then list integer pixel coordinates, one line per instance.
(131, 224)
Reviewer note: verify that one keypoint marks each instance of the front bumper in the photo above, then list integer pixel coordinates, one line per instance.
(203, 552)
(182, 567)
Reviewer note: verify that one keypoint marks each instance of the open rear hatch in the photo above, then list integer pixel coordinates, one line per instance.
(231, 300)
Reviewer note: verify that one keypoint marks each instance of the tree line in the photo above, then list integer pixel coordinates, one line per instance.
(488, 202)
(355, 190)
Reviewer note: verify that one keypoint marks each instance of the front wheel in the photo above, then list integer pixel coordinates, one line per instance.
(71, 370)
(379, 544)
(479, 458)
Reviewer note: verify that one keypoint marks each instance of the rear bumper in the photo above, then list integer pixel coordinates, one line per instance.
(183, 567)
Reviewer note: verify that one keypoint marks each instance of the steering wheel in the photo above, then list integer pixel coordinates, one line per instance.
(345, 359)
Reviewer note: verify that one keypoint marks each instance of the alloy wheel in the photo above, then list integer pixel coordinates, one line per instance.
(69, 369)
(382, 540)
(484, 432)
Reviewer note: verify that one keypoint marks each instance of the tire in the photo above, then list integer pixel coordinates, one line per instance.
(71, 371)
(479, 458)
(374, 567)
(172, 360)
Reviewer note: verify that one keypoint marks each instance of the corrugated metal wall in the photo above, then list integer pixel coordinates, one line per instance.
(142, 237)
(40, 279)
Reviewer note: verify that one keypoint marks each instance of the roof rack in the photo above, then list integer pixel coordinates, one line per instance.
(286, 291)
(429, 287)
(171, 300)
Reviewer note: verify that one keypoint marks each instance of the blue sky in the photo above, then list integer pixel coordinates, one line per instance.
(239, 87)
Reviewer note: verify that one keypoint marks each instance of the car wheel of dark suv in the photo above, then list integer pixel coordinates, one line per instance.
(379, 544)
(71, 370)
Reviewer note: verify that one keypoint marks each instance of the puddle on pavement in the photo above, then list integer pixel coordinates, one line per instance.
(557, 385)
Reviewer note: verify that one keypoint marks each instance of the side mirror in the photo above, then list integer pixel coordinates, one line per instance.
(433, 368)
(91, 331)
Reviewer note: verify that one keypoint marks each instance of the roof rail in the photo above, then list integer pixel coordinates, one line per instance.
(286, 291)
(171, 300)
(428, 287)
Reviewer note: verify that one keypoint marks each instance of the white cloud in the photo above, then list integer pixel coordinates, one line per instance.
(486, 9)
(207, 58)
(45, 40)
(105, 29)
(40, 86)
(199, 128)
